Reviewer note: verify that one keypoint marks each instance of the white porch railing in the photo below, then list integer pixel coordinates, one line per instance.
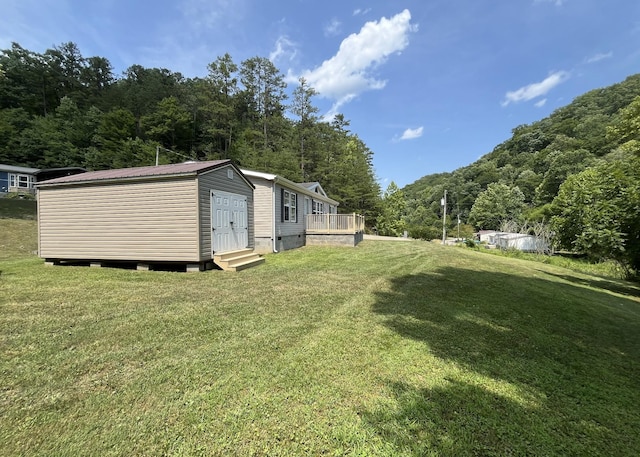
(334, 223)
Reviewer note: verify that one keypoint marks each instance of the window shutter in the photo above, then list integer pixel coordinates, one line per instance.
(281, 204)
(296, 197)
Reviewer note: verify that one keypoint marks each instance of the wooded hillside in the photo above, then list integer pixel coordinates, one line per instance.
(582, 159)
(538, 157)
(61, 109)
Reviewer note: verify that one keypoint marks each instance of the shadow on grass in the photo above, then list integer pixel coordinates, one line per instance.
(612, 285)
(574, 350)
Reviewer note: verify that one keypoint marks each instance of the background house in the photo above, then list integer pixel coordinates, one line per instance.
(519, 241)
(185, 213)
(17, 179)
(486, 236)
(23, 179)
(281, 208)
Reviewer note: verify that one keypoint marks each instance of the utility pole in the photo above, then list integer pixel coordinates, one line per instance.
(444, 217)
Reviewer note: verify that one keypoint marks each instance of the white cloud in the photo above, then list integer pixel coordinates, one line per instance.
(210, 14)
(555, 2)
(361, 12)
(598, 57)
(332, 28)
(284, 49)
(535, 90)
(412, 134)
(541, 103)
(349, 72)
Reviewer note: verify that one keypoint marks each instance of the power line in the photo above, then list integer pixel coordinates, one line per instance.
(169, 150)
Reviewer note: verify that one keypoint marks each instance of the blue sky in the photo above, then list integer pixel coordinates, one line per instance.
(428, 85)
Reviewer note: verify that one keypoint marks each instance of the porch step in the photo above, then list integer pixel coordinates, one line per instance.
(238, 260)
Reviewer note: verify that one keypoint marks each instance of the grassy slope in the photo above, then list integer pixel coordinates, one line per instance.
(386, 349)
(18, 228)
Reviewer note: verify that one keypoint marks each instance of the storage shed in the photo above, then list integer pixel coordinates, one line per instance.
(185, 213)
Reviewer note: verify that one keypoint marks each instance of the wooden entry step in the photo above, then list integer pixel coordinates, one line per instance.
(238, 260)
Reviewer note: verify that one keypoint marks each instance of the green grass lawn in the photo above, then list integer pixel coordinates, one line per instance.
(389, 349)
(18, 228)
(15, 208)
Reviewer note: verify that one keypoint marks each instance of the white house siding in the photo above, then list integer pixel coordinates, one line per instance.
(218, 179)
(521, 242)
(154, 220)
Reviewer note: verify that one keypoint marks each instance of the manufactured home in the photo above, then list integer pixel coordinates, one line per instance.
(520, 242)
(22, 180)
(193, 214)
(282, 207)
(17, 179)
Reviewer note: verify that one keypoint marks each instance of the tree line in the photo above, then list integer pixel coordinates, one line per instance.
(59, 108)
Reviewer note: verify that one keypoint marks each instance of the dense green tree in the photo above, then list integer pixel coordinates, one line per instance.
(97, 78)
(169, 124)
(626, 130)
(391, 220)
(115, 129)
(66, 66)
(357, 191)
(45, 145)
(498, 203)
(527, 181)
(142, 89)
(26, 81)
(303, 108)
(597, 212)
(561, 165)
(264, 89)
(221, 104)
(12, 122)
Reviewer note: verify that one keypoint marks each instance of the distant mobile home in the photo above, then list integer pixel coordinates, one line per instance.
(183, 213)
(519, 241)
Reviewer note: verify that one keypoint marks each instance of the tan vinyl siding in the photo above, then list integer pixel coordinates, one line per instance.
(263, 206)
(218, 179)
(143, 220)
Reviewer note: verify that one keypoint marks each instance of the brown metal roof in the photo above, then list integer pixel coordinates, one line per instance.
(188, 168)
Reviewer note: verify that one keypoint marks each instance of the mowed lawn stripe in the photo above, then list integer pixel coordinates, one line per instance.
(384, 349)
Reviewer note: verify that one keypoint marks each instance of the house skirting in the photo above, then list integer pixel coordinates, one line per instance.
(264, 245)
(334, 239)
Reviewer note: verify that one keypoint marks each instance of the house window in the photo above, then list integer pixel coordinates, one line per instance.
(20, 181)
(289, 206)
(24, 181)
(318, 207)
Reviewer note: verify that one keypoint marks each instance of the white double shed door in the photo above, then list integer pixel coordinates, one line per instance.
(229, 221)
